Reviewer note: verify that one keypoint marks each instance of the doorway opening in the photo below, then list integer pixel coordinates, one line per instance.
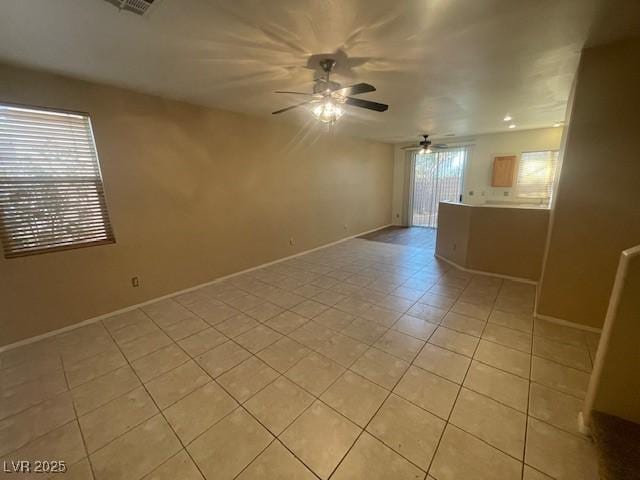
(437, 177)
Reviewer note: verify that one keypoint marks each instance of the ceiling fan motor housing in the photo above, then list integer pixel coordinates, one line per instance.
(323, 82)
(323, 85)
(327, 64)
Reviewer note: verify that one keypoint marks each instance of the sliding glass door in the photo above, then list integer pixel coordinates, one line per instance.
(437, 177)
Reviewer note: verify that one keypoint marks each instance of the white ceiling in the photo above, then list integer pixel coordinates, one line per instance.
(443, 66)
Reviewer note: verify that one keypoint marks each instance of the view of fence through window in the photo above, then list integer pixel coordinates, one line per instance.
(437, 177)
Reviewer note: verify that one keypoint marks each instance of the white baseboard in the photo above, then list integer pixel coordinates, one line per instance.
(489, 274)
(583, 428)
(567, 323)
(91, 320)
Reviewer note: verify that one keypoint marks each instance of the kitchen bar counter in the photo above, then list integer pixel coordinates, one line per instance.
(501, 239)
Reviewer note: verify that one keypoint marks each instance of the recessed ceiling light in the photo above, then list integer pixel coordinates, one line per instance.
(557, 124)
(508, 118)
(513, 125)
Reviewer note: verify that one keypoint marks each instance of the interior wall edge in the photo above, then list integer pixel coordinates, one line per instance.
(595, 213)
(554, 197)
(89, 321)
(606, 339)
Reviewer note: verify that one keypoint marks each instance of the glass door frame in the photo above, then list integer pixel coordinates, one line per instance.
(413, 154)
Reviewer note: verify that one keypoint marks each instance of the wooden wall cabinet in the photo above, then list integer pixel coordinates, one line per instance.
(503, 171)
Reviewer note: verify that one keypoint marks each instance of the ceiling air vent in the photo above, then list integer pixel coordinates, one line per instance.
(139, 7)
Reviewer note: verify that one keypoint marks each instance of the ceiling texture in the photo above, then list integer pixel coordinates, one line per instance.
(443, 66)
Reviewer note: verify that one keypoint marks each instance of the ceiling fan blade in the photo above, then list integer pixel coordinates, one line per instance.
(355, 89)
(296, 93)
(358, 102)
(292, 107)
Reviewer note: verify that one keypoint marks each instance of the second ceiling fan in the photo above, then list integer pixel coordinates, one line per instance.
(426, 146)
(328, 97)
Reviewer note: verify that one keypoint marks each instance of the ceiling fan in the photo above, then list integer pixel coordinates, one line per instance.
(426, 146)
(328, 97)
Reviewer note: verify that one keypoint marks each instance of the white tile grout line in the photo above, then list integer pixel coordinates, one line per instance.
(159, 410)
(240, 405)
(400, 314)
(231, 339)
(526, 424)
(316, 397)
(340, 331)
(97, 318)
(435, 451)
(77, 421)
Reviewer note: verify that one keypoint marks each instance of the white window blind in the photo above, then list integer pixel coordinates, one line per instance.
(51, 193)
(536, 173)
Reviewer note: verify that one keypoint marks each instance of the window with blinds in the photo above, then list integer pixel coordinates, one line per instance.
(51, 193)
(536, 173)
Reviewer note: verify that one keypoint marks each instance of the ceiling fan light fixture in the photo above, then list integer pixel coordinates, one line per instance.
(329, 97)
(426, 145)
(328, 111)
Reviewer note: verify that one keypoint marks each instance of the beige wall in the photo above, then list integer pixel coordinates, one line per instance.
(477, 175)
(477, 181)
(504, 240)
(453, 232)
(509, 241)
(193, 194)
(596, 213)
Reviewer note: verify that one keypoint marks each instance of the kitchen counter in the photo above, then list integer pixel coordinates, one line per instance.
(505, 239)
(535, 206)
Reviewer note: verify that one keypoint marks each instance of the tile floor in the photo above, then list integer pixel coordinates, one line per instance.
(362, 360)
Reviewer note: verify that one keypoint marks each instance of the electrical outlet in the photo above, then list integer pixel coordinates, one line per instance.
(292, 241)
(135, 282)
